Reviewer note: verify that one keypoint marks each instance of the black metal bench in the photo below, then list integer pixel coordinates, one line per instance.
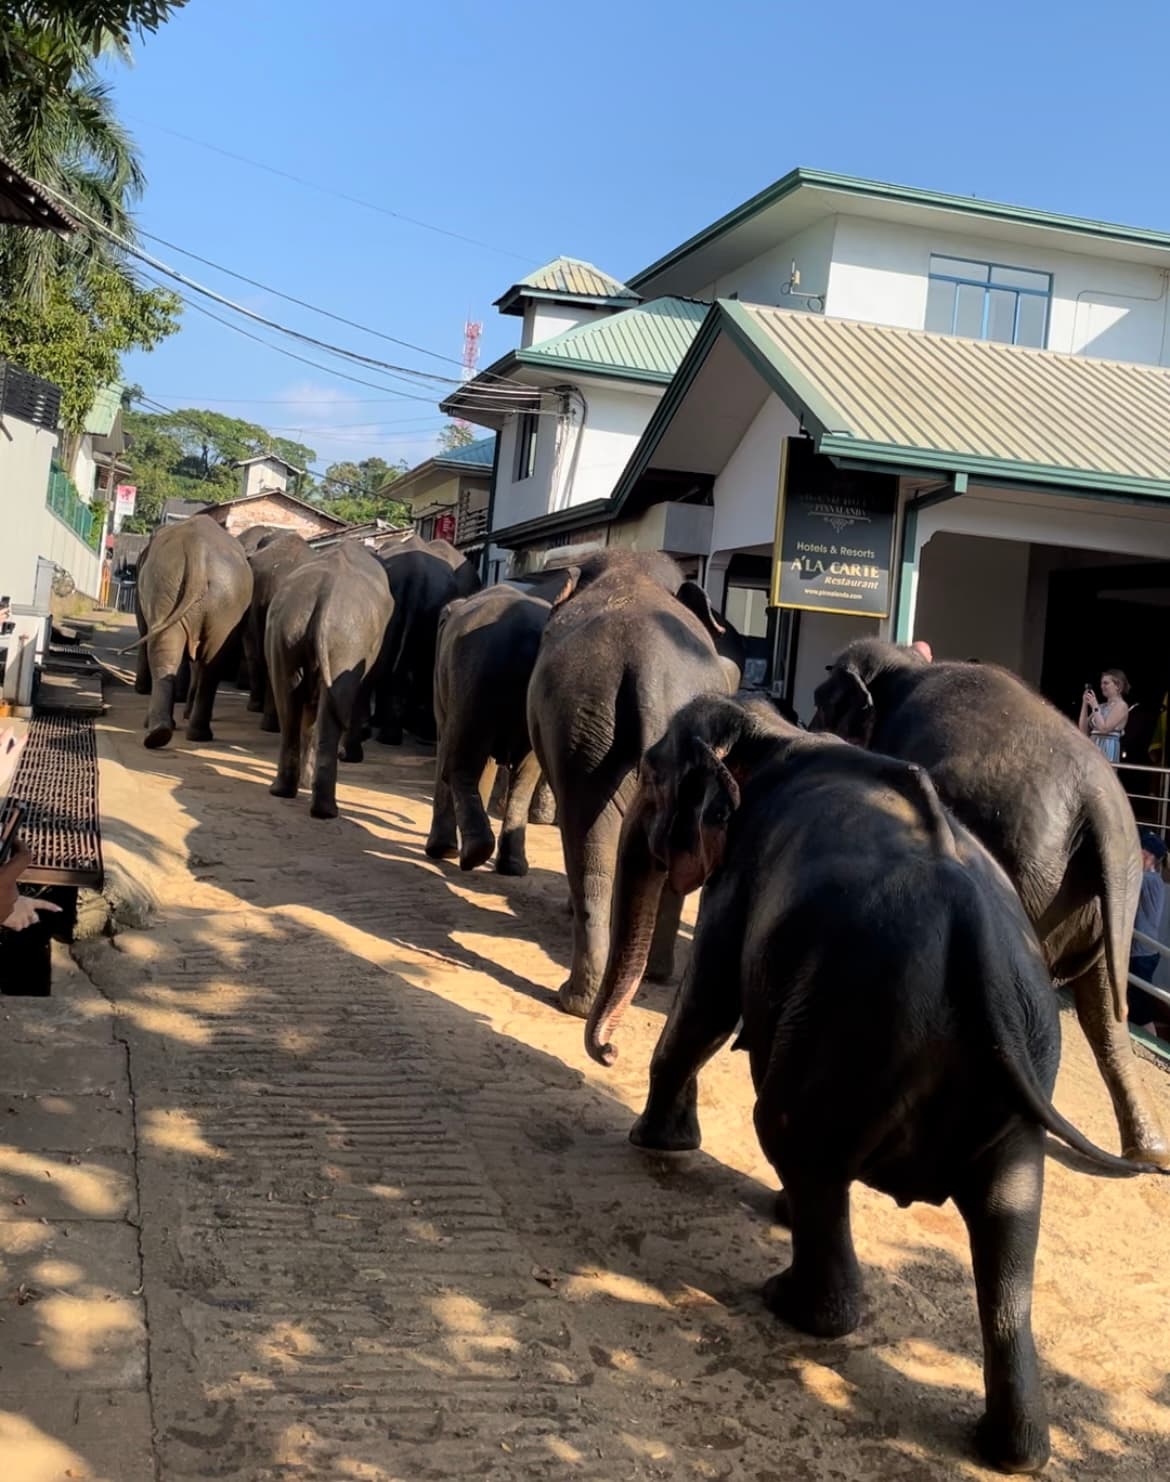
(57, 784)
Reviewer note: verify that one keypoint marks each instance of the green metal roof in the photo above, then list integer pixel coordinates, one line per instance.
(643, 343)
(102, 414)
(566, 278)
(900, 398)
(849, 185)
(479, 454)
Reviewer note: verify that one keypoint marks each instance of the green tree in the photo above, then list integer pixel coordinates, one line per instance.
(70, 309)
(365, 478)
(455, 435)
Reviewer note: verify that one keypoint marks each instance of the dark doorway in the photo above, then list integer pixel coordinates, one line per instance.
(1111, 617)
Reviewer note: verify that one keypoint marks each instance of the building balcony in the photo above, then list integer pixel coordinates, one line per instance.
(67, 504)
(472, 526)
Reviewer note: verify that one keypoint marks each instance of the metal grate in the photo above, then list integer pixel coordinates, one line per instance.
(57, 781)
(29, 397)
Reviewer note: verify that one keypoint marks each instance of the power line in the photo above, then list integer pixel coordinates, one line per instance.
(340, 194)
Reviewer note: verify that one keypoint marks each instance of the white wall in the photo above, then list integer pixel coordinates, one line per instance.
(29, 528)
(261, 476)
(1114, 310)
(760, 281)
(544, 320)
(972, 599)
(84, 471)
(527, 499)
(745, 492)
(614, 421)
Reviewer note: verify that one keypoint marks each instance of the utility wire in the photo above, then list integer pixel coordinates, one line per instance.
(407, 373)
(340, 194)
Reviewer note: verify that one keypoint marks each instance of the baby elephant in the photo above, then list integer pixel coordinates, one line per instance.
(896, 1008)
(323, 642)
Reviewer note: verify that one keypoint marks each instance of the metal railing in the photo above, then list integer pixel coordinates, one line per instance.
(472, 525)
(67, 504)
(1162, 994)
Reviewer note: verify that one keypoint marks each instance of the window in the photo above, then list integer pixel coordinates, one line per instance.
(984, 301)
(746, 608)
(526, 430)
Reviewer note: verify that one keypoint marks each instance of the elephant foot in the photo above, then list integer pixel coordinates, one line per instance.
(511, 864)
(389, 736)
(322, 807)
(157, 736)
(255, 705)
(353, 752)
(782, 1209)
(659, 973)
(825, 1314)
(1151, 1148)
(438, 848)
(142, 686)
(676, 1133)
(270, 723)
(283, 788)
(199, 733)
(476, 852)
(572, 1001)
(1017, 1445)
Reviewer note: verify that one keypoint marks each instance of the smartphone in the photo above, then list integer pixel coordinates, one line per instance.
(9, 828)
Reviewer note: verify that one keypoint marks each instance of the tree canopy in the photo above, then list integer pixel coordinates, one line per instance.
(455, 435)
(70, 309)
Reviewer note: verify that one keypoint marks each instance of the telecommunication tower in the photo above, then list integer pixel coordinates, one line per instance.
(471, 334)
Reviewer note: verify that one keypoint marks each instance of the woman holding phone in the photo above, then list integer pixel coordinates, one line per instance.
(1103, 721)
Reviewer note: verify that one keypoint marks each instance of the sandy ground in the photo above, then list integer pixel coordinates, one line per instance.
(388, 1225)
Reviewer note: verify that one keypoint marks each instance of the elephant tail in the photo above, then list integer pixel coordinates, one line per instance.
(1108, 821)
(192, 591)
(1003, 989)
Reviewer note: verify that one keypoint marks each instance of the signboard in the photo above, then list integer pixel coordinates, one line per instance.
(445, 526)
(834, 535)
(125, 498)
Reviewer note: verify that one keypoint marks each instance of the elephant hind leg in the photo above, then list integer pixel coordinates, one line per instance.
(1000, 1202)
(1142, 1136)
(820, 1292)
(291, 707)
(512, 858)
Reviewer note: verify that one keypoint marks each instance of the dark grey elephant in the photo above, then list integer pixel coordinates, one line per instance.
(895, 1005)
(256, 536)
(272, 561)
(193, 591)
(326, 629)
(486, 651)
(1048, 806)
(630, 645)
(423, 576)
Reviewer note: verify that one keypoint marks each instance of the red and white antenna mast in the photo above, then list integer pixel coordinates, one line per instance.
(471, 334)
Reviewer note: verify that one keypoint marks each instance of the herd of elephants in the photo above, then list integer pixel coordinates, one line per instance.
(883, 921)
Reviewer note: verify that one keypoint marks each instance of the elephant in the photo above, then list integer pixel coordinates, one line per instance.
(486, 650)
(326, 630)
(423, 576)
(193, 589)
(256, 536)
(629, 642)
(1044, 801)
(275, 558)
(895, 1004)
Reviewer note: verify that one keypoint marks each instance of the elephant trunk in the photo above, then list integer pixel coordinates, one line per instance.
(637, 892)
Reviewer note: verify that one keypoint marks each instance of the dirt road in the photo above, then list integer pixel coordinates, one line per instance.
(391, 1228)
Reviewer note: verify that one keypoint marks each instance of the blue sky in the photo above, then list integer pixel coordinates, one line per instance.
(603, 130)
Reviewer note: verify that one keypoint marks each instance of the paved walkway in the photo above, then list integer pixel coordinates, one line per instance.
(382, 1222)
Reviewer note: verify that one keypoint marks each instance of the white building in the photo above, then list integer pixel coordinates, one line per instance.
(1015, 404)
(265, 474)
(570, 403)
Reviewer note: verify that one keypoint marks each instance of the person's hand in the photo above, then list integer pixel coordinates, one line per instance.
(26, 913)
(10, 872)
(11, 748)
(1089, 698)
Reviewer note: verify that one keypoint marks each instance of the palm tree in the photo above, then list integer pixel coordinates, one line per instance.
(68, 138)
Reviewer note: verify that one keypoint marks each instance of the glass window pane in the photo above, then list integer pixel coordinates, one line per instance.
(940, 306)
(1030, 329)
(957, 267)
(1020, 278)
(747, 610)
(969, 311)
(1001, 316)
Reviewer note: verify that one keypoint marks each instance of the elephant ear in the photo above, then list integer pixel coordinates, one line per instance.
(845, 706)
(695, 599)
(560, 584)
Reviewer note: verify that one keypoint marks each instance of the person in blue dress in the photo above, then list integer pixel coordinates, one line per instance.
(1103, 721)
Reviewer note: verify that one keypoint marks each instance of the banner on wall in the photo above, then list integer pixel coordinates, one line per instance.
(445, 527)
(834, 535)
(125, 500)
